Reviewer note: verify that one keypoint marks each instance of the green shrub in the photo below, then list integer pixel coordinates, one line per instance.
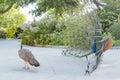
(56, 38)
(18, 32)
(117, 43)
(108, 35)
(2, 34)
(115, 31)
(47, 32)
(10, 32)
(28, 37)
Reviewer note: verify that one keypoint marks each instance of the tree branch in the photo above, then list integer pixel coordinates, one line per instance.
(7, 9)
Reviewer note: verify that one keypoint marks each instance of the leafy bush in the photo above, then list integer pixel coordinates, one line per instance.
(107, 35)
(56, 38)
(11, 21)
(2, 34)
(117, 43)
(12, 18)
(28, 37)
(47, 32)
(107, 18)
(115, 31)
(10, 32)
(18, 32)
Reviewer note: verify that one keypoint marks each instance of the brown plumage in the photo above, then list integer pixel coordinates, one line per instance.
(28, 57)
(108, 45)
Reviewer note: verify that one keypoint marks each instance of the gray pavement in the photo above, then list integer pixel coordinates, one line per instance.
(54, 66)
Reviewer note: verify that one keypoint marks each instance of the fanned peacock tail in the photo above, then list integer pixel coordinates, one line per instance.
(93, 39)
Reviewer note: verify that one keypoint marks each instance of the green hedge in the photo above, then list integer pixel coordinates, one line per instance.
(117, 43)
(47, 32)
(2, 34)
(115, 31)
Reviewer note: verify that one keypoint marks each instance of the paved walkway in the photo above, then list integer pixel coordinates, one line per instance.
(54, 66)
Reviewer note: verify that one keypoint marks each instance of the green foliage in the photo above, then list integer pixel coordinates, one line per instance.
(10, 32)
(12, 18)
(117, 43)
(47, 32)
(2, 33)
(11, 21)
(56, 38)
(18, 32)
(119, 18)
(59, 6)
(112, 5)
(109, 15)
(107, 18)
(6, 5)
(28, 37)
(115, 31)
(107, 35)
